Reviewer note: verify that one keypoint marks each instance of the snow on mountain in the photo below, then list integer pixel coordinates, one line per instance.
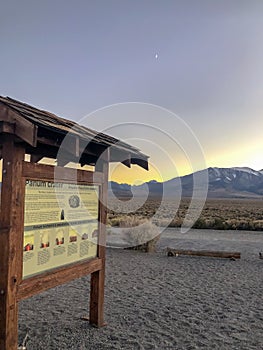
(236, 180)
(248, 170)
(222, 182)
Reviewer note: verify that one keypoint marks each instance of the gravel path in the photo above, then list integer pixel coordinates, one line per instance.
(156, 302)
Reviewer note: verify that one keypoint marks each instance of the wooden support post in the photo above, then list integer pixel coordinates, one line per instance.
(96, 317)
(11, 240)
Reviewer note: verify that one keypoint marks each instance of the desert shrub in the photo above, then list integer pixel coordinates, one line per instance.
(177, 222)
(142, 236)
(234, 214)
(245, 225)
(258, 224)
(164, 222)
(114, 222)
(131, 221)
(200, 223)
(231, 224)
(219, 224)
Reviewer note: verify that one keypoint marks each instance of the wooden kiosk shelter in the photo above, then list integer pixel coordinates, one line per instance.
(25, 130)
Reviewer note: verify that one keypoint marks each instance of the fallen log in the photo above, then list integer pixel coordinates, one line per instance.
(214, 254)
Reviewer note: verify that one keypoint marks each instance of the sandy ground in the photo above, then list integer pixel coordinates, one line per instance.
(157, 302)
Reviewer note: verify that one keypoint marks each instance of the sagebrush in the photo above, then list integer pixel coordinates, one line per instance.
(140, 234)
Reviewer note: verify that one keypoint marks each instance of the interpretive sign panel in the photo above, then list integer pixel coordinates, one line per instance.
(60, 224)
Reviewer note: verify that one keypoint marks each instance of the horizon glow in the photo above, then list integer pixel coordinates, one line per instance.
(208, 72)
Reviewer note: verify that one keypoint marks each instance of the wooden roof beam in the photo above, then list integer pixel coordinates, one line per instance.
(35, 158)
(120, 156)
(71, 145)
(23, 128)
(87, 160)
(42, 151)
(141, 162)
(7, 128)
(63, 161)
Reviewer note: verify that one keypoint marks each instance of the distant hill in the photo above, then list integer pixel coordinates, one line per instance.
(222, 183)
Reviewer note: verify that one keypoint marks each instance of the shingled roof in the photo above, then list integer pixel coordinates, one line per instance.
(44, 133)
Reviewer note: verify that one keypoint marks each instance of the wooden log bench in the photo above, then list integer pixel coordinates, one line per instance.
(209, 253)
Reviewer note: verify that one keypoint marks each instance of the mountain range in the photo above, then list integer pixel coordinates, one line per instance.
(237, 182)
(242, 182)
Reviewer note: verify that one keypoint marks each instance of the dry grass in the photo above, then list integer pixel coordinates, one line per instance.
(235, 214)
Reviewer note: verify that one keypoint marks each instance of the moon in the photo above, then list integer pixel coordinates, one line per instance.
(156, 55)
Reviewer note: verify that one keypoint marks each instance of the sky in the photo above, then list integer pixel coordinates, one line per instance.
(181, 80)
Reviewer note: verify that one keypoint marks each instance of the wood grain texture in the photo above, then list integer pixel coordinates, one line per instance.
(11, 240)
(51, 173)
(23, 128)
(50, 279)
(98, 277)
(36, 127)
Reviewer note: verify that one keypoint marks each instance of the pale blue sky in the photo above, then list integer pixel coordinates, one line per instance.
(73, 57)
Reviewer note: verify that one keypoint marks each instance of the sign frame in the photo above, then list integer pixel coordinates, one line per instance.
(13, 287)
(36, 284)
(65, 253)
